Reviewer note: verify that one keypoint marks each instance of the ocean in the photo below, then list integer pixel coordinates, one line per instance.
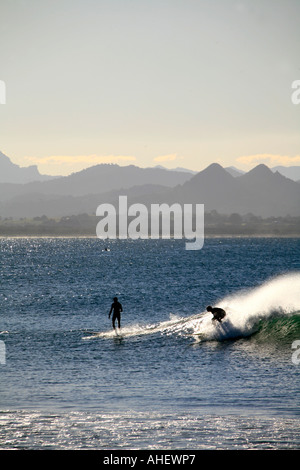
(171, 379)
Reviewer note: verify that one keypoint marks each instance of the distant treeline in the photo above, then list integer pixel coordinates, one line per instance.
(236, 224)
(215, 224)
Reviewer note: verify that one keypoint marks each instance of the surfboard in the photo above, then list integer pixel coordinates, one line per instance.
(103, 334)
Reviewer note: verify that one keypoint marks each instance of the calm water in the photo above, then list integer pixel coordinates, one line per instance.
(172, 379)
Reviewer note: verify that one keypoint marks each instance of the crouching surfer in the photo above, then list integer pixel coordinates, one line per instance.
(218, 313)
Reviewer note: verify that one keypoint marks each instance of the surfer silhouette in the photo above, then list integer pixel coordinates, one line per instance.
(116, 307)
(218, 313)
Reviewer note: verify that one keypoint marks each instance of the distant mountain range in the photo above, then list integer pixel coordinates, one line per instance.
(291, 172)
(261, 191)
(12, 173)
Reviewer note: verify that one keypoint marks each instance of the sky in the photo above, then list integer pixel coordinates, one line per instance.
(178, 83)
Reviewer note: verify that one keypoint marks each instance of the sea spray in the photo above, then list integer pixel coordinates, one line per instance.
(278, 297)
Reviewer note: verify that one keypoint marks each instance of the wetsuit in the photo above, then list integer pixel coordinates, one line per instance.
(218, 313)
(117, 308)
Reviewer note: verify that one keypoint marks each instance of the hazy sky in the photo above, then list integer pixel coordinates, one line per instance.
(172, 82)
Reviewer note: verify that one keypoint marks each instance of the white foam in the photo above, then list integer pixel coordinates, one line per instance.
(278, 296)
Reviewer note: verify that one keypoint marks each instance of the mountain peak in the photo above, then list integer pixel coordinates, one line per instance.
(212, 175)
(215, 170)
(12, 173)
(214, 166)
(261, 170)
(260, 174)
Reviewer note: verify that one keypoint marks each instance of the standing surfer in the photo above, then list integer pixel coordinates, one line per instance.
(116, 307)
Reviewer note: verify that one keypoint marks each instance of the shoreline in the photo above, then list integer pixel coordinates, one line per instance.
(209, 236)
